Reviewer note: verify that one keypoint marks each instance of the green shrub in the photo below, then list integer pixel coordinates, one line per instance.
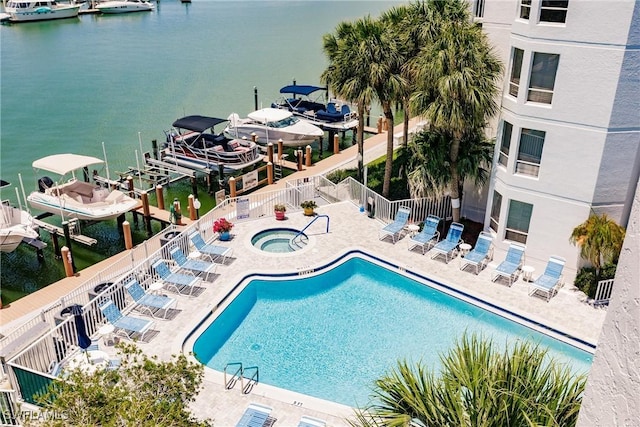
(587, 281)
(342, 174)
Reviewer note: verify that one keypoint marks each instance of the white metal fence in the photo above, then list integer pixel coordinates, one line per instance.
(603, 292)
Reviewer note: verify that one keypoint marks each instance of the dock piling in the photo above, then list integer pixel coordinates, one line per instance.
(146, 213)
(67, 261)
(160, 197)
(126, 228)
(308, 156)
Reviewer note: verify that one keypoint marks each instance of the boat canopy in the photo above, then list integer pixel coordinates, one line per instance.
(301, 89)
(269, 115)
(197, 123)
(62, 164)
(4, 183)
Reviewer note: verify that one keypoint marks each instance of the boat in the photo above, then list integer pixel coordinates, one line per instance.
(306, 102)
(124, 6)
(70, 197)
(192, 142)
(271, 125)
(39, 10)
(15, 225)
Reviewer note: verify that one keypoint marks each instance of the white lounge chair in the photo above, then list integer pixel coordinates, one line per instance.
(195, 265)
(306, 421)
(511, 265)
(149, 304)
(548, 281)
(428, 236)
(395, 228)
(127, 326)
(255, 416)
(480, 254)
(449, 246)
(213, 252)
(177, 281)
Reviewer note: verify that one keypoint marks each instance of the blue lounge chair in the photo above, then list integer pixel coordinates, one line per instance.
(127, 326)
(147, 303)
(306, 421)
(197, 266)
(511, 265)
(428, 236)
(395, 228)
(547, 283)
(213, 252)
(449, 246)
(254, 416)
(480, 254)
(177, 281)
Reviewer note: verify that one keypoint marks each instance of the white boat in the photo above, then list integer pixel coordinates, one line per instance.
(39, 10)
(272, 124)
(73, 198)
(189, 144)
(124, 6)
(15, 225)
(333, 115)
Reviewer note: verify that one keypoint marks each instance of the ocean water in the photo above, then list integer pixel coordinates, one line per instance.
(71, 85)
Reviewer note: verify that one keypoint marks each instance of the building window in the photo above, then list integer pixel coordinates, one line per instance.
(516, 67)
(530, 152)
(525, 9)
(506, 142)
(495, 211)
(553, 10)
(543, 77)
(518, 220)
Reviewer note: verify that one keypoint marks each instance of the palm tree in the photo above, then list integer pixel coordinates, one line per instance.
(429, 162)
(600, 240)
(365, 61)
(457, 76)
(479, 385)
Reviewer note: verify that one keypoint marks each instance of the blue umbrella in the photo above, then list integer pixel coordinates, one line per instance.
(81, 329)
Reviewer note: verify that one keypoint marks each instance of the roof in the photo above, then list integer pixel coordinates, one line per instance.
(269, 115)
(197, 123)
(301, 89)
(65, 163)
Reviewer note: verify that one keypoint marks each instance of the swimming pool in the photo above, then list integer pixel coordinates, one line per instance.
(279, 240)
(331, 335)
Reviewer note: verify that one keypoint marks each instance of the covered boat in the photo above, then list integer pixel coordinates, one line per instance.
(307, 102)
(271, 125)
(39, 10)
(70, 197)
(193, 142)
(15, 225)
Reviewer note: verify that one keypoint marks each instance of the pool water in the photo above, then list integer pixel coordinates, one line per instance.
(279, 240)
(332, 335)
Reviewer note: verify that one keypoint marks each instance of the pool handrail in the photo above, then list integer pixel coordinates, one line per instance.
(301, 232)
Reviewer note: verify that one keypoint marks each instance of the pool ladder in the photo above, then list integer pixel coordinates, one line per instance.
(293, 243)
(239, 374)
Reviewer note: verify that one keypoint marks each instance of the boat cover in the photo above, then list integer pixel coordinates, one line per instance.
(269, 115)
(4, 183)
(301, 89)
(197, 123)
(62, 164)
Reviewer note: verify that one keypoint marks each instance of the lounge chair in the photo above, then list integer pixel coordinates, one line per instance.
(213, 252)
(255, 416)
(548, 282)
(306, 421)
(197, 266)
(177, 281)
(147, 303)
(428, 236)
(124, 325)
(511, 265)
(449, 246)
(395, 228)
(480, 254)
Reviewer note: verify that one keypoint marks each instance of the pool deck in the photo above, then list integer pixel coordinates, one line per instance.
(349, 229)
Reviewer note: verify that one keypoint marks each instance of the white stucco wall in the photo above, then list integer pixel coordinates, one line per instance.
(612, 397)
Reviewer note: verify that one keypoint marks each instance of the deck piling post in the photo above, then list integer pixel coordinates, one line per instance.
(146, 213)
(56, 244)
(154, 148)
(126, 229)
(160, 197)
(269, 173)
(299, 158)
(280, 148)
(130, 186)
(270, 152)
(192, 208)
(194, 185)
(255, 97)
(67, 239)
(67, 261)
(336, 144)
(308, 156)
(232, 187)
(380, 124)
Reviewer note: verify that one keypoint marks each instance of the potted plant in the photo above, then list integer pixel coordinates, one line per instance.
(279, 210)
(308, 206)
(222, 226)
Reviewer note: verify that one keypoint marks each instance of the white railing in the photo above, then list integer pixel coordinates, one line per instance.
(603, 292)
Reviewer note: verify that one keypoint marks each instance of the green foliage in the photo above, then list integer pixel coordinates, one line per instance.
(600, 240)
(480, 385)
(341, 174)
(308, 204)
(143, 391)
(587, 278)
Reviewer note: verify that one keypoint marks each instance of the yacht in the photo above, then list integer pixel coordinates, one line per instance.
(124, 6)
(39, 10)
(271, 125)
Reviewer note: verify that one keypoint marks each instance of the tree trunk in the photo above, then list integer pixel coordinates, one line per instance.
(388, 166)
(405, 108)
(455, 178)
(360, 142)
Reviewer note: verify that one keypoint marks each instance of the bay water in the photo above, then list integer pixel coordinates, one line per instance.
(68, 86)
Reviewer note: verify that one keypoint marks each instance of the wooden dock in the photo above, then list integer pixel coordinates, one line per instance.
(85, 240)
